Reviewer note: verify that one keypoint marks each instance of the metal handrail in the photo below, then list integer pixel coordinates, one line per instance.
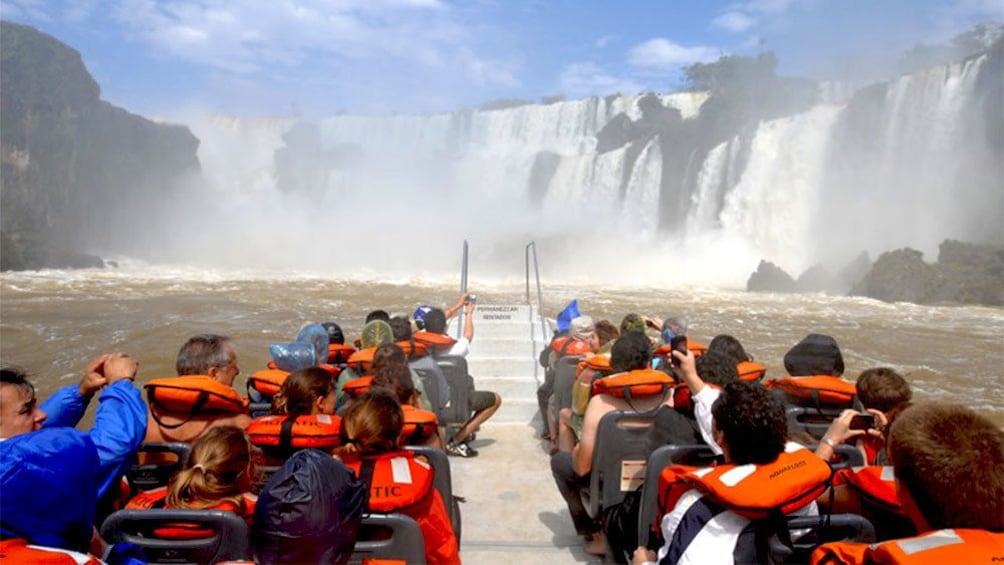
(463, 286)
(532, 246)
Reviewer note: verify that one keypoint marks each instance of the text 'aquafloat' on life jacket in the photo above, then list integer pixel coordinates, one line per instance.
(320, 431)
(755, 492)
(397, 479)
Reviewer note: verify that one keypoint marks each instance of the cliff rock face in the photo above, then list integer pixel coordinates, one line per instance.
(965, 273)
(76, 173)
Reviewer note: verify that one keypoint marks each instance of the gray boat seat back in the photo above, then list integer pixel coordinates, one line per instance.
(230, 540)
(454, 368)
(619, 458)
(442, 480)
(662, 457)
(389, 536)
(148, 476)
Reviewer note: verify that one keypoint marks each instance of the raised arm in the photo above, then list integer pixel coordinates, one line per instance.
(120, 422)
(67, 405)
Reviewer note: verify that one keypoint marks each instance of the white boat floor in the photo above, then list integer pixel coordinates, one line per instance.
(514, 512)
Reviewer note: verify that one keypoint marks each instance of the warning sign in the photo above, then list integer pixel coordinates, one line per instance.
(632, 475)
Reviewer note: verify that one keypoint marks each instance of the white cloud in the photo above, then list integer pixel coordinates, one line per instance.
(769, 6)
(605, 40)
(486, 72)
(664, 54)
(735, 22)
(24, 10)
(589, 79)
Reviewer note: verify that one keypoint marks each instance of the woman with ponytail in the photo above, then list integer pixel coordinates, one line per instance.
(371, 430)
(218, 475)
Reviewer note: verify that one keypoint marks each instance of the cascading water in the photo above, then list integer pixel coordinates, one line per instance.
(886, 169)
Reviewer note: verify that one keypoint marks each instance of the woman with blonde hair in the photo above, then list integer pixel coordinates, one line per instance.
(399, 481)
(218, 475)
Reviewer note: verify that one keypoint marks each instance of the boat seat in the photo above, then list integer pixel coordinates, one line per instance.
(160, 461)
(431, 385)
(564, 380)
(811, 420)
(816, 530)
(458, 411)
(662, 457)
(443, 482)
(621, 453)
(228, 542)
(391, 536)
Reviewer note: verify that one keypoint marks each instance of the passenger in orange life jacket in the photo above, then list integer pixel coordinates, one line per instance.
(376, 332)
(218, 475)
(214, 357)
(879, 390)
(631, 355)
(401, 327)
(570, 419)
(307, 397)
(421, 427)
(948, 464)
(748, 369)
(398, 480)
(482, 403)
(582, 341)
(711, 510)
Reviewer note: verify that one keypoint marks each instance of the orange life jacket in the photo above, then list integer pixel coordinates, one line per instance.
(433, 341)
(816, 390)
(751, 371)
(339, 353)
(269, 381)
(568, 345)
(874, 483)
(755, 492)
(320, 431)
(682, 398)
(191, 395)
(333, 369)
(397, 479)
(696, 347)
(634, 384)
(600, 363)
(16, 551)
(358, 386)
(419, 425)
(936, 547)
(157, 498)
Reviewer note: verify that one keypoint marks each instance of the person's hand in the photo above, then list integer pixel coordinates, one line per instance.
(469, 308)
(119, 366)
(652, 323)
(461, 301)
(840, 429)
(94, 376)
(642, 555)
(686, 363)
(881, 423)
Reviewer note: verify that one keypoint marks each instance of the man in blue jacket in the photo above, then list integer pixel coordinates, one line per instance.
(51, 475)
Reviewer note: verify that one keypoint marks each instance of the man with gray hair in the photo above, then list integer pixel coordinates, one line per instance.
(209, 355)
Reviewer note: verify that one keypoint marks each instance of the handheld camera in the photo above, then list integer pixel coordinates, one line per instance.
(862, 421)
(678, 343)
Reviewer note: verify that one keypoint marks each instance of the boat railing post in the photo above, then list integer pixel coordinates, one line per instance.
(463, 286)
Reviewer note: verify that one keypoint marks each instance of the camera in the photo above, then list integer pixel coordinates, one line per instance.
(862, 422)
(678, 343)
(472, 298)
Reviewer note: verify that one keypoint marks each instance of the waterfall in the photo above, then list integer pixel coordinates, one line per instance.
(890, 165)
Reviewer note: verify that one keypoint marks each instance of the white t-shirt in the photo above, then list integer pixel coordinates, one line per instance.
(702, 413)
(461, 348)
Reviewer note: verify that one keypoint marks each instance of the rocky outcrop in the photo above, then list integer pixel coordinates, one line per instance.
(770, 278)
(965, 273)
(77, 173)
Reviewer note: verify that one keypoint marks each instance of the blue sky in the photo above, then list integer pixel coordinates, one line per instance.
(318, 57)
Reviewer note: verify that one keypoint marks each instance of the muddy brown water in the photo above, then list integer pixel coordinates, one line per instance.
(53, 322)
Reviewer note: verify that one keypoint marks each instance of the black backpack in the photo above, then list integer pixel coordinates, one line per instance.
(309, 511)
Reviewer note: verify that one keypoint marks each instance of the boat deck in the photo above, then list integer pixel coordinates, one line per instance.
(513, 511)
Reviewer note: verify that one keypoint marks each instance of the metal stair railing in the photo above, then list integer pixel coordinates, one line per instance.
(531, 250)
(463, 287)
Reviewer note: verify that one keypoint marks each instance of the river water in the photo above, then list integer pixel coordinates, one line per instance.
(53, 322)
